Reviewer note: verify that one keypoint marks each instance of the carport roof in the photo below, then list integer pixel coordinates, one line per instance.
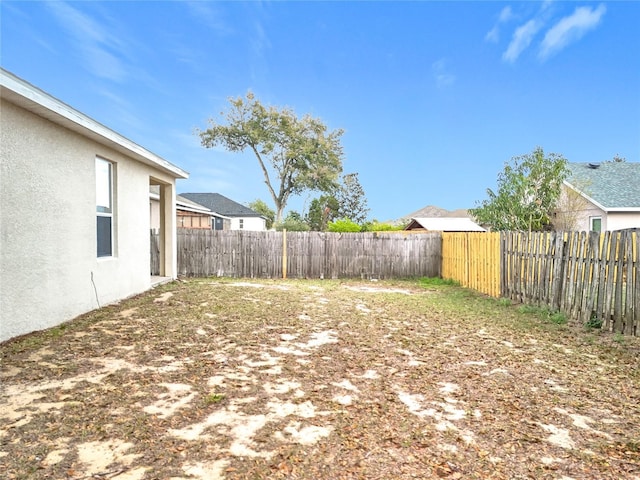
(444, 224)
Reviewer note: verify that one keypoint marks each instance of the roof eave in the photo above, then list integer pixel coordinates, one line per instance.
(587, 197)
(31, 98)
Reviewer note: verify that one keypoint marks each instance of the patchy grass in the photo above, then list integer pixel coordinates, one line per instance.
(213, 398)
(431, 281)
(231, 379)
(545, 314)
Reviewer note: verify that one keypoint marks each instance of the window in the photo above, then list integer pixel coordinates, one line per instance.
(596, 224)
(241, 223)
(104, 207)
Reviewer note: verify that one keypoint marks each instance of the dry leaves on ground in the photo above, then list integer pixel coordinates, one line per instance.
(218, 379)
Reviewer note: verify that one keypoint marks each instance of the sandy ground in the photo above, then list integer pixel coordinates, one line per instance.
(213, 380)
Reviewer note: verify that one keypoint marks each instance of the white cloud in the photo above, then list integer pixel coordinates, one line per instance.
(521, 39)
(441, 74)
(209, 14)
(99, 48)
(505, 15)
(570, 29)
(259, 41)
(493, 35)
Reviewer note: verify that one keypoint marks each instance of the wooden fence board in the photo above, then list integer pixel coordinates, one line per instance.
(636, 289)
(473, 259)
(154, 254)
(629, 326)
(585, 275)
(309, 254)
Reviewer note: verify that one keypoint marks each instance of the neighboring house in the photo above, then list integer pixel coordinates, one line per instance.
(431, 211)
(444, 224)
(189, 214)
(242, 218)
(599, 197)
(74, 197)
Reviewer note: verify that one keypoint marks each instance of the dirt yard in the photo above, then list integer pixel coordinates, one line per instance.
(221, 379)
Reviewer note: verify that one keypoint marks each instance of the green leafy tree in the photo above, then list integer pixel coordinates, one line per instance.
(344, 225)
(293, 222)
(295, 154)
(528, 189)
(263, 209)
(322, 210)
(351, 199)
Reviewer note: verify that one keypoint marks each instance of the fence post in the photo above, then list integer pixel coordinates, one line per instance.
(284, 253)
(558, 271)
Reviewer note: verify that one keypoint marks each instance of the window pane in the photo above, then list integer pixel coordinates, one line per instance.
(104, 237)
(103, 186)
(596, 224)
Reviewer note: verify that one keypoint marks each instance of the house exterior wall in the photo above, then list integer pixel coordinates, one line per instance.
(193, 220)
(610, 220)
(583, 218)
(49, 270)
(248, 223)
(622, 220)
(575, 213)
(219, 223)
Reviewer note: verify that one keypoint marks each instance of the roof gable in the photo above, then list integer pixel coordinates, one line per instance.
(221, 204)
(611, 185)
(431, 211)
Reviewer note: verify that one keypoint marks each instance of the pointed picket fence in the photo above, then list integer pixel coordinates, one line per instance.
(591, 277)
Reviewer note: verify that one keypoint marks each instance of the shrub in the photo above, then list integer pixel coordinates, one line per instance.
(292, 225)
(594, 323)
(380, 227)
(343, 225)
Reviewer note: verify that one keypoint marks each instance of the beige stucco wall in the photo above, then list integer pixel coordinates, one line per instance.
(576, 211)
(621, 220)
(49, 270)
(610, 220)
(583, 219)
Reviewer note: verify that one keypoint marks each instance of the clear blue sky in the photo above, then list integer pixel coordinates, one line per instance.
(434, 97)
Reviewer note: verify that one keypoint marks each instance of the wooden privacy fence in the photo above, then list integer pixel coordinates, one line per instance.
(155, 253)
(473, 259)
(239, 253)
(589, 276)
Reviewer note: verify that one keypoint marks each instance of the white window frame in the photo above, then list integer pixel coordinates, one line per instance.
(591, 220)
(105, 195)
(241, 223)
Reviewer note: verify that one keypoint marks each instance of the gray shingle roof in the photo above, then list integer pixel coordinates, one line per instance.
(613, 185)
(221, 204)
